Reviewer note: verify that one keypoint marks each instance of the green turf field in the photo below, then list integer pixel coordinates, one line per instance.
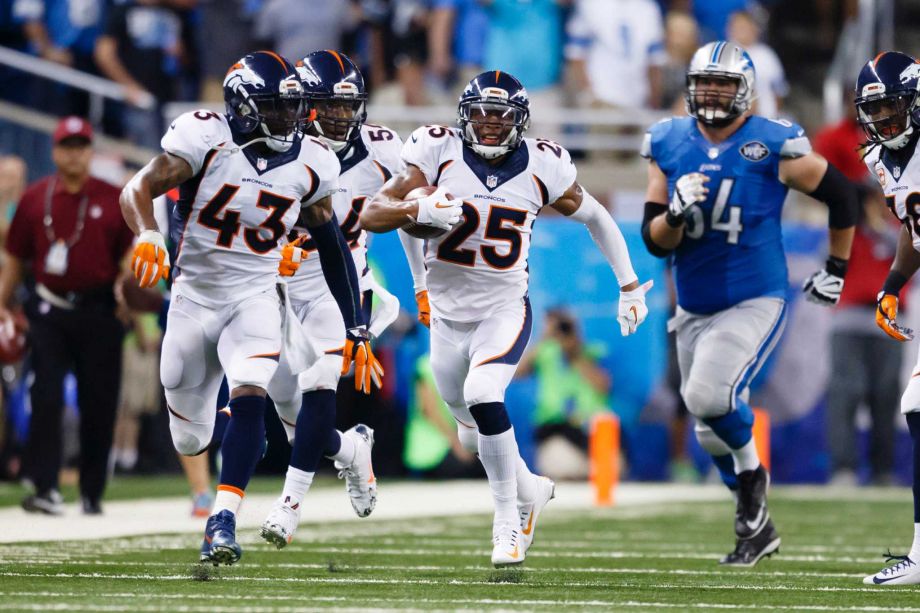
(633, 558)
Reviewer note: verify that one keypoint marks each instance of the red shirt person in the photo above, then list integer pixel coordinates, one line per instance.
(68, 236)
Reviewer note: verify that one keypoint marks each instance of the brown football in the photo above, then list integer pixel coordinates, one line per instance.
(419, 230)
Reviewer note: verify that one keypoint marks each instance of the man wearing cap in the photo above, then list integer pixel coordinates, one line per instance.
(68, 237)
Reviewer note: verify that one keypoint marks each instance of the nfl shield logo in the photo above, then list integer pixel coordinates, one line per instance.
(896, 172)
(261, 163)
(491, 181)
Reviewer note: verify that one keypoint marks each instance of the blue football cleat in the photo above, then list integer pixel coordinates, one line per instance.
(219, 545)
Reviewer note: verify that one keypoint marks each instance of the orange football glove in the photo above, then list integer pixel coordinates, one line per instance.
(885, 316)
(151, 259)
(357, 349)
(292, 256)
(424, 309)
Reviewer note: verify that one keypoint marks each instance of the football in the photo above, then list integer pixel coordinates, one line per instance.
(419, 230)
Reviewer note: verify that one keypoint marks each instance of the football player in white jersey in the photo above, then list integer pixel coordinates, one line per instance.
(244, 178)
(497, 181)
(369, 156)
(888, 108)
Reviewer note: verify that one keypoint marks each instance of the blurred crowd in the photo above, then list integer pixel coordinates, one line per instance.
(624, 54)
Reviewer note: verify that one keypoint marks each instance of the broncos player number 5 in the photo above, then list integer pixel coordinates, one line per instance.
(732, 226)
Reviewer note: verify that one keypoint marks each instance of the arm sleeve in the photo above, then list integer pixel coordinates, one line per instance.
(607, 236)
(840, 196)
(415, 255)
(339, 271)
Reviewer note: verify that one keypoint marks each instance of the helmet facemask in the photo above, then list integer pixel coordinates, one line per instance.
(717, 98)
(887, 119)
(274, 117)
(338, 119)
(492, 128)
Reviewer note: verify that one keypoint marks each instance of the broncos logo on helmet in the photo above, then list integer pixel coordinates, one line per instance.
(264, 98)
(720, 83)
(887, 106)
(493, 114)
(336, 98)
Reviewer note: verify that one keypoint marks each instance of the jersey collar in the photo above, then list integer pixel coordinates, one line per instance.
(352, 155)
(262, 164)
(896, 160)
(493, 177)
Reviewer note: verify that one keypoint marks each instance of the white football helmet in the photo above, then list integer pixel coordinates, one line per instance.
(720, 60)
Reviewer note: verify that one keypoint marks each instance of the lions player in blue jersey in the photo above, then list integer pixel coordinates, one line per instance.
(717, 181)
(888, 108)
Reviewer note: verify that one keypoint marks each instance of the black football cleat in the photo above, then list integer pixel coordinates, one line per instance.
(749, 551)
(751, 514)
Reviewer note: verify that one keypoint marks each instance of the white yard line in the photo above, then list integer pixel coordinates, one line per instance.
(452, 603)
(404, 500)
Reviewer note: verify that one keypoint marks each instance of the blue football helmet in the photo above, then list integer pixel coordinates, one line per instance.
(493, 114)
(713, 64)
(336, 99)
(886, 98)
(264, 99)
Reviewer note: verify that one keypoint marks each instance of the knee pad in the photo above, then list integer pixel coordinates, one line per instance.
(706, 399)
(188, 439)
(469, 438)
(709, 441)
(323, 375)
(483, 385)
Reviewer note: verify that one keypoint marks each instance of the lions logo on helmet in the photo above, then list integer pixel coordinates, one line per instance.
(264, 98)
(336, 96)
(720, 83)
(493, 114)
(887, 105)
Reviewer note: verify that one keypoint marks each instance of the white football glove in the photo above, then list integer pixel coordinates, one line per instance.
(438, 211)
(690, 189)
(632, 310)
(825, 286)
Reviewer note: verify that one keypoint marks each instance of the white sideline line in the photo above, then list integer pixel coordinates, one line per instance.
(515, 603)
(404, 500)
(428, 568)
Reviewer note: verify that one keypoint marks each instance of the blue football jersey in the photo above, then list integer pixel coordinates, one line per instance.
(732, 248)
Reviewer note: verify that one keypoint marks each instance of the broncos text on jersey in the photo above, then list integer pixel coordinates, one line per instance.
(237, 207)
(481, 264)
(732, 248)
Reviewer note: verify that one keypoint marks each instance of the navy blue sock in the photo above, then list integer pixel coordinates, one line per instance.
(726, 465)
(735, 428)
(243, 440)
(913, 423)
(314, 430)
(491, 418)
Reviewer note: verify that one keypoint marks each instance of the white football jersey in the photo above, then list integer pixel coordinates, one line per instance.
(900, 180)
(481, 264)
(237, 207)
(369, 163)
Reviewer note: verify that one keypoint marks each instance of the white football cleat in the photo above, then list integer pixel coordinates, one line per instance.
(360, 482)
(278, 528)
(507, 549)
(905, 572)
(546, 491)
